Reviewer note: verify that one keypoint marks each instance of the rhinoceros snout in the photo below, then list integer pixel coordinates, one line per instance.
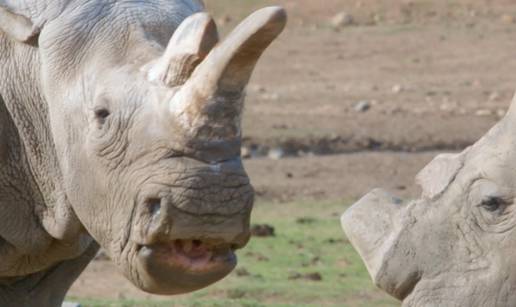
(186, 235)
(372, 226)
(211, 211)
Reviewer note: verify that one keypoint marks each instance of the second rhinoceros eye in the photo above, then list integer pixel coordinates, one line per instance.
(493, 204)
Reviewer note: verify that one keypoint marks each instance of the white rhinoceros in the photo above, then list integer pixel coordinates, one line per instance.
(120, 123)
(456, 245)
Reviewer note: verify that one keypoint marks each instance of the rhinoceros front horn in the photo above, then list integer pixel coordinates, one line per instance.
(210, 102)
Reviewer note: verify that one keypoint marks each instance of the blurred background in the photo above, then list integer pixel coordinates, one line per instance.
(354, 95)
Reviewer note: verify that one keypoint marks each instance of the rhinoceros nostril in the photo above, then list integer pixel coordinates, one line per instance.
(197, 243)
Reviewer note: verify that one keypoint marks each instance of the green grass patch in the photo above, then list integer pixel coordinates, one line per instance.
(273, 271)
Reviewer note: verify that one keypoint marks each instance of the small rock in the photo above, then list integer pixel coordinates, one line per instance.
(262, 230)
(507, 19)
(70, 304)
(484, 112)
(342, 19)
(398, 88)
(276, 154)
(245, 152)
(362, 106)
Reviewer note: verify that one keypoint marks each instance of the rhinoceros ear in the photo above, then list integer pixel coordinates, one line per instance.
(438, 174)
(17, 26)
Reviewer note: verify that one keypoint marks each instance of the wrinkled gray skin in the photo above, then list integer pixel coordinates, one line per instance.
(119, 126)
(455, 246)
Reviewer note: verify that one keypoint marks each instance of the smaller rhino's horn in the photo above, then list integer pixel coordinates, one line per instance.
(210, 102)
(190, 44)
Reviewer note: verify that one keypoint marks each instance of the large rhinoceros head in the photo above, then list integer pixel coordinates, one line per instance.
(146, 121)
(455, 245)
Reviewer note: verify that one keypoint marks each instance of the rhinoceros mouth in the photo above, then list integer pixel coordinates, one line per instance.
(194, 256)
(184, 265)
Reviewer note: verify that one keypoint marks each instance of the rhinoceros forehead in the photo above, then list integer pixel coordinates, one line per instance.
(109, 33)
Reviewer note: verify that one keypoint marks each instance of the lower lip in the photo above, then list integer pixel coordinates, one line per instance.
(206, 262)
(168, 272)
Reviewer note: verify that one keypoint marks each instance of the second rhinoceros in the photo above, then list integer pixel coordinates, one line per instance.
(120, 123)
(455, 246)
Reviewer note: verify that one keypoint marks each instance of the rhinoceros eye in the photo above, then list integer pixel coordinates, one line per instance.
(493, 204)
(101, 114)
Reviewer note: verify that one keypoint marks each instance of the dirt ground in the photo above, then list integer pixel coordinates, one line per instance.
(436, 76)
(333, 112)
